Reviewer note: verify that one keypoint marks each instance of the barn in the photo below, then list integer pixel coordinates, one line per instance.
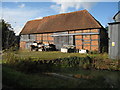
(77, 28)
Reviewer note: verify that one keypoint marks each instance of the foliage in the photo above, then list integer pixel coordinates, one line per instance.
(94, 52)
(52, 61)
(27, 69)
(28, 65)
(106, 28)
(8, 36)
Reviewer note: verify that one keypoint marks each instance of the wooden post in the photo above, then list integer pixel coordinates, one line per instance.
(42, 38)
(68, 38)
(90, 40)
(82, 41)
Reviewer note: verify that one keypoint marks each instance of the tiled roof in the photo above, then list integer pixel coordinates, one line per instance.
(62, 22)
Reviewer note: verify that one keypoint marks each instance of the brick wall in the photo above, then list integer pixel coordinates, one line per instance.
(22, 45)
(45, 38)
(89, 42)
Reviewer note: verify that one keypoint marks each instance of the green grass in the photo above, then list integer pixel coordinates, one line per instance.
(101, 79)
(48, 55)
(101, 61)
(13, 77)
(52, 55)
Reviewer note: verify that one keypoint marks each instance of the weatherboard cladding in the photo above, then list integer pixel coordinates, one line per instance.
(114, 37)
(62, 22)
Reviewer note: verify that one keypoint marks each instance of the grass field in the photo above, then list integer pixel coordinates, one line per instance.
(53, 55)
(21, 80)
(82, 79)
(14, 77)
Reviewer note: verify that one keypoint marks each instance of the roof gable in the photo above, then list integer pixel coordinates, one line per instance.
(30, 26)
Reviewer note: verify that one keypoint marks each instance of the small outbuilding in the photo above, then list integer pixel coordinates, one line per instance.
(114, 37)
(78, 28)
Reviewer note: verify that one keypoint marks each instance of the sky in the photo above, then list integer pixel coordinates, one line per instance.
(18, 13)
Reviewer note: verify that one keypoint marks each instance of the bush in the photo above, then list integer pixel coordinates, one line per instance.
(94, 52)
(9, 58)
(29, 65)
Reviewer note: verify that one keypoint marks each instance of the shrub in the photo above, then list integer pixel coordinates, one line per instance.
(29, 65)
(94, 52)
(9, 58)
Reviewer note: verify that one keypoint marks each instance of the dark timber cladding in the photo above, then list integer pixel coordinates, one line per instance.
(78, 28)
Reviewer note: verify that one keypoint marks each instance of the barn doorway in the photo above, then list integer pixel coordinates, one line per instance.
(60, 41)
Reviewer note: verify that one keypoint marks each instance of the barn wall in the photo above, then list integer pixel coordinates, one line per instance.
(22, 45)
(89, 42)
(27, 40)
(45, 38)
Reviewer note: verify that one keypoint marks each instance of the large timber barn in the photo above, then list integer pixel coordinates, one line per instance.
(78, 28)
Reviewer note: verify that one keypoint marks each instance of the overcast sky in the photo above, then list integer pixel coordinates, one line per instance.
(18, 13)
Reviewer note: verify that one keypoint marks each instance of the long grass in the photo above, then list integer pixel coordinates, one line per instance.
(15, 79)
(52, 55)
(47, 55)
(84, 79)
(99, 61)
(15, 65)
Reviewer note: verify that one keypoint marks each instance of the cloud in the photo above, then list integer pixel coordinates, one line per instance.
(63, 6)
(21, 6)
(55, 7)
(17, 17)
(39, 18)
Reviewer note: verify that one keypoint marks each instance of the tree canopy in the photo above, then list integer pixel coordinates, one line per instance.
(9, 38)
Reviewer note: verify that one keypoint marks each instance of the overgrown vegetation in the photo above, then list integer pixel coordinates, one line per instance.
(31, 66)
(27, 69)
(53, 60)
